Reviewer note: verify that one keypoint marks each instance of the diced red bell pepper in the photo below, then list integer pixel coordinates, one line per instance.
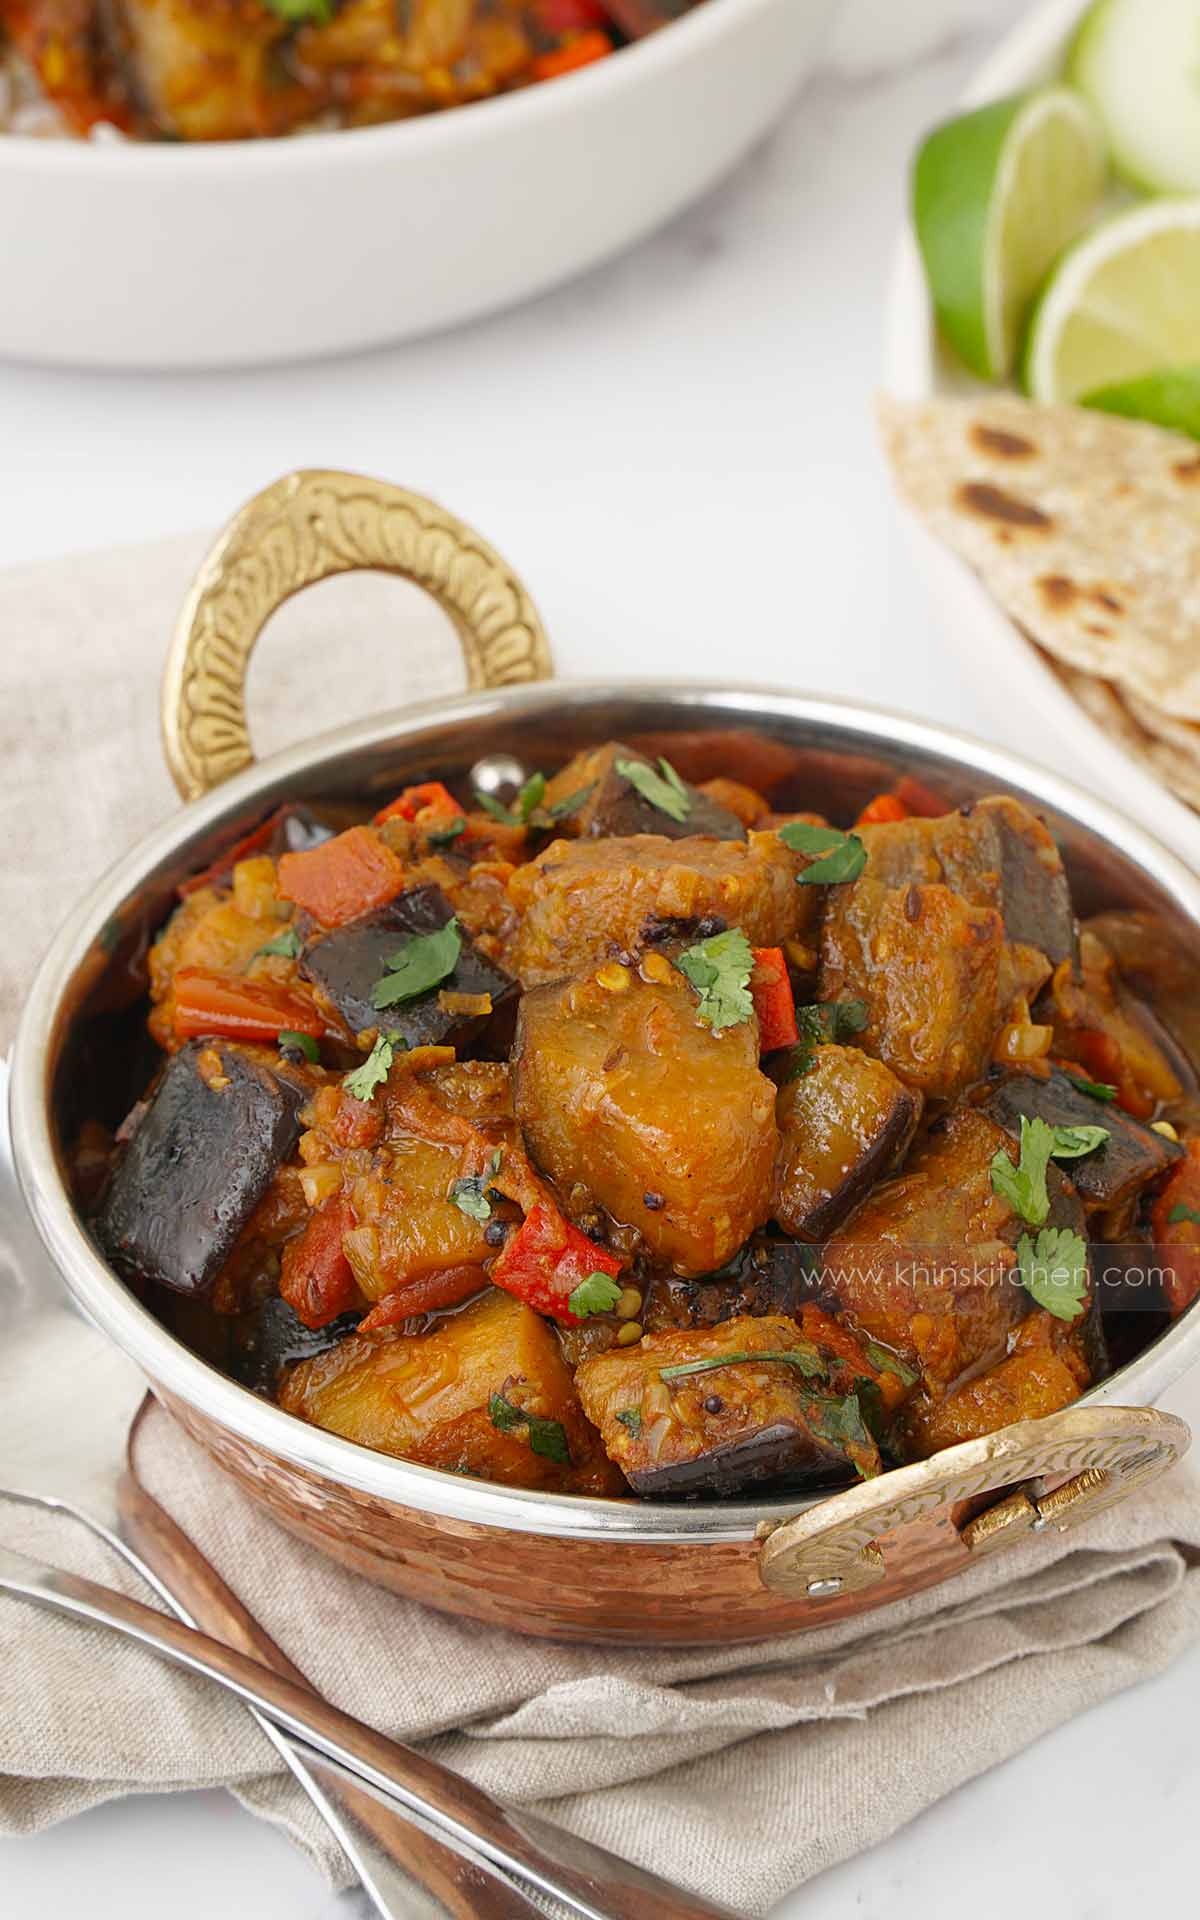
(222, 867)
(427, 803)
(545, 1260)
(449, 1287)
(884, 807)
(920, 799)
(208, 1002)
(571, 16)
(342, 878)
(774, 1001)
(580, 52)
(316, 1279)
(1177, 1242)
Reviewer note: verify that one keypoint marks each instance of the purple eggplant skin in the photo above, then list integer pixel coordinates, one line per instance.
(197, 1165)
(768, 1275)
(786, 1455)
(615, 806)
(348, 963)
(1132, 1157)
(270, 1338)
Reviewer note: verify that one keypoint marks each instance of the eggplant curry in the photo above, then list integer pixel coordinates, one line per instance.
(240, 69)
(633, 1137)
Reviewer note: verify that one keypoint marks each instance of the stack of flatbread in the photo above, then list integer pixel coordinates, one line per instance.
(1086, 529)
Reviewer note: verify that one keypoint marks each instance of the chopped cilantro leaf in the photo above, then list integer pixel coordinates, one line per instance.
(664, 790)
(285, 945)
(304, 1043)
(597, 1293)
(1054, 1269)
(631, 1417)
(1024, 1185)
(303, 12)
(361, 1083)
(1179, 1212)
(497, 809)
(843, 855)
(470, 1193)
(423, 960)
(1071, 1143)
(839, 1419)
(884, 1361)
(562, 809)
(546, 1437)
(1099, 1089)
(719, 968)
(531, 796)
(806, 1358)
(829, 1022)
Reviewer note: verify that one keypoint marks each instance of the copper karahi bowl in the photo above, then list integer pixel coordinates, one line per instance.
(556, 1565)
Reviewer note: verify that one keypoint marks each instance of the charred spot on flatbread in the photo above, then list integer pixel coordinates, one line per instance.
(997, 440)
(993, 503)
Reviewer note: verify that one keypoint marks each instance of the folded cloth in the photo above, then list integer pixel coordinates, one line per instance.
(855, 1727)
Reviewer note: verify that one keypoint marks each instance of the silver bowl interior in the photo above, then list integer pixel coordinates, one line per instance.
(828, 755)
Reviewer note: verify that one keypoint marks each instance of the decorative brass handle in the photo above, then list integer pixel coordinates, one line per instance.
(304, 528)
(901, 1531)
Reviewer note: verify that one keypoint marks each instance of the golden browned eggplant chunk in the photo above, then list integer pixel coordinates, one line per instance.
(995, 854)
(585, 900)
(623, 1092)
(843, 1125)
(391, 1166)
(486, 1392)
(716, 1410)
(926, 965)
(1045, 1371)
(614, 803)
(926, 1264)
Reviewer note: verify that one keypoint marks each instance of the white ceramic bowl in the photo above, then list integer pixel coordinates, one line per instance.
(916, 367)
(132, 255)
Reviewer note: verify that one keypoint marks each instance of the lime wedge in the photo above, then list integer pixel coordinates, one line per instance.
(1122, 304)
(997, 195)
(1138, 62)
(1169, 399)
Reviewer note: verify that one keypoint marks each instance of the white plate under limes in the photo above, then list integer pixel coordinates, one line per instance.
(917, 368)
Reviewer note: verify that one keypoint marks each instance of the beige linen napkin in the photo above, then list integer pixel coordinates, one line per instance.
(856, 1727)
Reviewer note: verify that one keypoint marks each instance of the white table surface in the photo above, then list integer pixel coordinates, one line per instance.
(677, 452)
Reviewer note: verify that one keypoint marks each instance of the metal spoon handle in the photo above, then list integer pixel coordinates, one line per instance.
(592, 1882)
(385, 1845)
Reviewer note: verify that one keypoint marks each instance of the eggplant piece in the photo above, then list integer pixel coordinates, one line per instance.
(265, 1342)
(584, 901)
(741, 1419)
(348, 963)
(927, 966)
(485, 1391)
(613, 805)
(1131, 1158)
(221, 1122)
(1156, 961)
(767, 1276)
(621, 1091)
(843, 1125)
(927, 1264)
(997, 854)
